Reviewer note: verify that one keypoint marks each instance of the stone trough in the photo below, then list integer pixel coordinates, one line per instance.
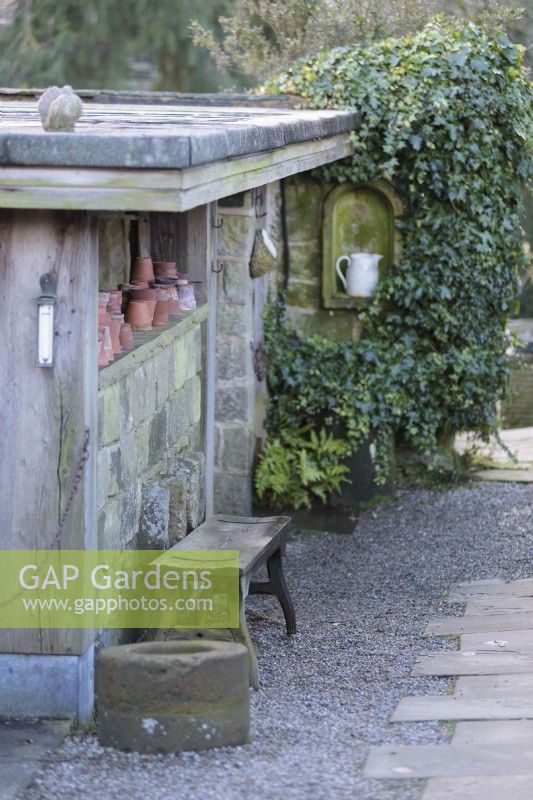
(165, 697)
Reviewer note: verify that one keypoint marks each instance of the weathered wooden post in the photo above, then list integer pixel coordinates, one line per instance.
(48, 441)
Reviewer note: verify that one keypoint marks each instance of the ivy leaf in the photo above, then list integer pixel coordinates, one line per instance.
(458, 59)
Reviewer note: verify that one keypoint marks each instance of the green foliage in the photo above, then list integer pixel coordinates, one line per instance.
(446, 118)
(260, 37)
(108, 43)
(300, 464)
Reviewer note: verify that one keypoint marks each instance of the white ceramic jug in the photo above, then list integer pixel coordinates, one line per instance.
(362, 275)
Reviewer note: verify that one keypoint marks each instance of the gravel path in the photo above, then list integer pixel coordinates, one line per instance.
(362, 603)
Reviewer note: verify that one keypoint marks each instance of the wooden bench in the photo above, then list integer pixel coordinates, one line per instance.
(259, 540)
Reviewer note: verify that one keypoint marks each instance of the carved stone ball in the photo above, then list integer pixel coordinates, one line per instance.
(60, 109)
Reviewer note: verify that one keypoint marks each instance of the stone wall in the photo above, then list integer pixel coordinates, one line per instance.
(240, 388)
(367, 223)
(304, 201)
(150, 473)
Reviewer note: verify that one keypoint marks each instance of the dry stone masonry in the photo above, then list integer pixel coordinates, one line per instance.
(240, 393)
(151, 488)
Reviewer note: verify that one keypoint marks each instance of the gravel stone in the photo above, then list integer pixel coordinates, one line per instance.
(362, 602)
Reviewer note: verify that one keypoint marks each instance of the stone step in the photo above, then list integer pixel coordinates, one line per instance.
(509, 732)
(493, 686)
(447, 760)
(473, 662)
(437, 707)
(498, 604)
(479, 623)
(517, 641)
(462, 592)
(494, 787)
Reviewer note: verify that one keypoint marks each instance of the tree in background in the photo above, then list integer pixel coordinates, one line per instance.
(147, 45)
(260, 38)
(108, 43)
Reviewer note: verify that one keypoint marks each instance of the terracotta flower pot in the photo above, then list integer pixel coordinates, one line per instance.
(140, 284)
(115, 321)
(126, 336)
(108, 345)
(143, 269)
(142, 293)
(103, 361)
(102, 315)
(148, 296)
(165, 269)
(161, 313)
(115, 301)
(138, 315)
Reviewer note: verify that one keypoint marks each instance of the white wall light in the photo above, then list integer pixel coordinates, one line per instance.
(46, 303)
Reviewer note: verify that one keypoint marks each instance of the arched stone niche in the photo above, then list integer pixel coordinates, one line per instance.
(357, 217)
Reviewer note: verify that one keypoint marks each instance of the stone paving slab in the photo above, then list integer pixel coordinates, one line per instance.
(510, 732)
(491, 754)
(508, 787)
(480, 623)
(24, 745)
(454, 662)
(485, 582)
(446, 760)
(498, 604)
(438, 707)
(493, 686)
(461, 593)
(518, 641)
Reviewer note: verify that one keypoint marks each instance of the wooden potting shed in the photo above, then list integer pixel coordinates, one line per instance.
(69, 431)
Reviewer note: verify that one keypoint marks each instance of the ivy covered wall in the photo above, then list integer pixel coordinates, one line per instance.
(446, 120)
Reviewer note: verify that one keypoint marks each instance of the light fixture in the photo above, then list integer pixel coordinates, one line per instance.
(46, 303)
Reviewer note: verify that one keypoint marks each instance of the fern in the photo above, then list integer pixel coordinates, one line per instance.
(300, 466)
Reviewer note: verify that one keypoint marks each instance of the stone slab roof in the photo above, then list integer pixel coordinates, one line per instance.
(156, 135)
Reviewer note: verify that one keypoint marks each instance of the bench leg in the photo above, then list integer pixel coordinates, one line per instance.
(242, 635)
(279, 588)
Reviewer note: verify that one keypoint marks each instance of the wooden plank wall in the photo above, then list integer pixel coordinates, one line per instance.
(46, 414)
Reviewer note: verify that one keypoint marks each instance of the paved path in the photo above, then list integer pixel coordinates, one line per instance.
(490, 757)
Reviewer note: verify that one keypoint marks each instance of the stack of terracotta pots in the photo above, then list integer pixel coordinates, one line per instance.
(183, 298)
(156, 291)
(114, 335)
(141, 298)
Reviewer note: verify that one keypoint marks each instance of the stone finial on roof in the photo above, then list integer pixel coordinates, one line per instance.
(60, 109)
